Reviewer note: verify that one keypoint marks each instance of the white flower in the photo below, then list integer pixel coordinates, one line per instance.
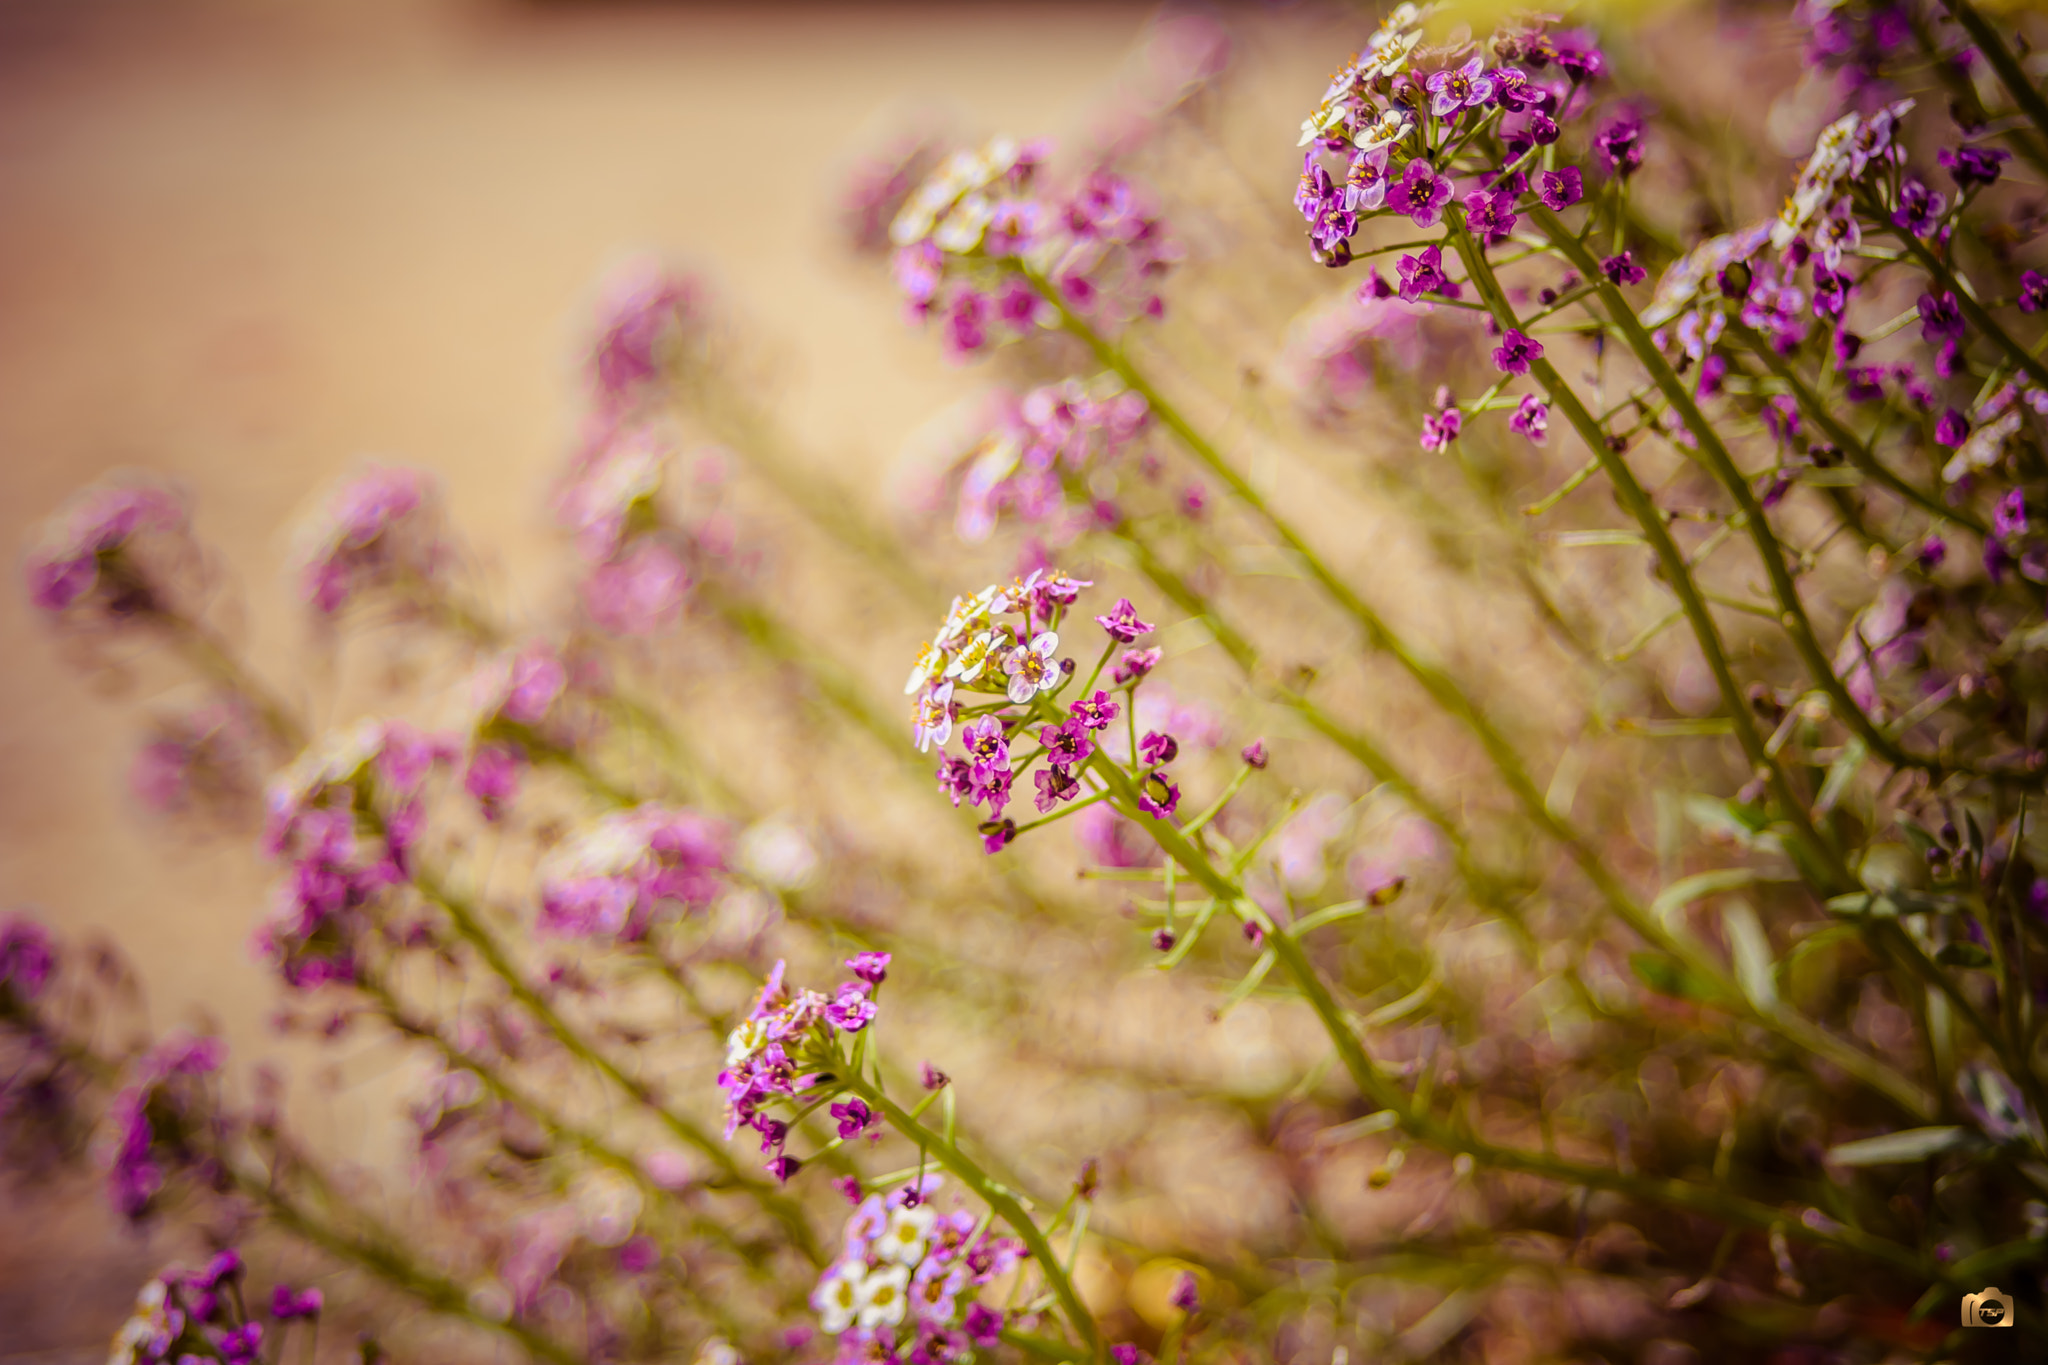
(839, 1296)
(973, 657)
(750, 1037)
(929, 660)
(962, 229)
(903, 1240)
(1385, 130)
(1032, 668)
(883, 1297)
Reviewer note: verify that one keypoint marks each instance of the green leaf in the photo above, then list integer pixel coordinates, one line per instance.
(1892, 904)
(1669, 976)
(1840, 775)
(1963, 954)
(1892, 1149)
(1686, 890)
(1750, 948)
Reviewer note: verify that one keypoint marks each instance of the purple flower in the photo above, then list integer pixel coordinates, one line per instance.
(1560, 189)
(642, 312)
(1515, 351)
(2033, 291)
(1186, 1293)
(992, 789)
(1969, 166)
(1096, 712)
(1122, 622)
(1463, 88)
(1847, 346)
(997, 834)
(1830, 293)
(783, 1167)
(373, 527)
(1919, 210)
(1781, 417)
(1421, 274)
(872, 968)
(2009, 518)
(1365, 184)
(1254, 754)
(1066, 743)
(956, 777)
(640, 592)
(1577, 53)
(1125, 1353)
(1863, 383)
(1157, 795)
(1620, 141)
(983, 1325)
(1439, 429)
(1623, 269)
(931, 1078)
(492, 777)
(854, 1117)
(1135, 664)
(1492, 216)
(1531, 419)
(1156, 750)
(1932, 552)
(27, 956)
(1941, 318)
(1420, 193)
(286, 1305)
(1951, 429)
(851, 1010)
(987, 749)
(1055, 784)
(1712, 371)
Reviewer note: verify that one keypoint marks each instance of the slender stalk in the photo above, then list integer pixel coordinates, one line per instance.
(1414, 1117)
(1798, 627)
(1974, 312)
(2025, 93)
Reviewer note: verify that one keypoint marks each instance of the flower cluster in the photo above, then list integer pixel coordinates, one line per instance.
(344, 816)
(158, 1120)
(619, 876)
(904, 1287)
(1381, 138)
(117, 553)
(639, 559)
(983, 252)
(788, 1045)
(379, 529)
(977, 652)
(1038, 461)
(182, 1318)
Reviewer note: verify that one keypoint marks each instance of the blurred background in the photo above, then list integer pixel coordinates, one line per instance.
(243, 245)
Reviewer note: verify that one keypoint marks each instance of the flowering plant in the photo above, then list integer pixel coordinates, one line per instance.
(1692, 979)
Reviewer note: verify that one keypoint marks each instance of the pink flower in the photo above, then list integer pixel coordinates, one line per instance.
(640, 592)
(1032, 669)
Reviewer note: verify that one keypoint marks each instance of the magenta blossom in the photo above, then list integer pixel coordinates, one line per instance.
(1466, 87)
(1156, 750)
(1420, 193)
(1560, 189)
(1439, 429)
(1531, 419)
(872, 968)
(1158, 795)
(1122, 623)
(1422, 274)
(1515, 352)
(1096, 712)
(1055, 784)
(1134, 664)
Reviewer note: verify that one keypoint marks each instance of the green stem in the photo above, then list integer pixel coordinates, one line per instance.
(1973, 312)
(1721, 464)
(2011, 75)
(1419, 1123)
(1859, 454)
